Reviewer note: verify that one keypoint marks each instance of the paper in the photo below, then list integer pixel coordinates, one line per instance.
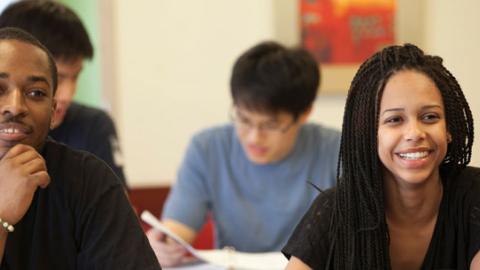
(227, 258)
(151, 220)
(243, 260)
(198, 266)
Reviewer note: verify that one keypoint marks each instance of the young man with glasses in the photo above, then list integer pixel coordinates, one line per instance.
(252, 175)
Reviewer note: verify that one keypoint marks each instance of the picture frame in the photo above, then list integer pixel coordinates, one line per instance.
(409, 26)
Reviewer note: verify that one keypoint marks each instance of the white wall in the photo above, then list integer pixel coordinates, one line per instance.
(173, 65)
(173, 60)
(452, 32)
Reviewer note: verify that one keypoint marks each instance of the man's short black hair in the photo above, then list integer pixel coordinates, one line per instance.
(272, 78)
(53, 24)
(12, 33)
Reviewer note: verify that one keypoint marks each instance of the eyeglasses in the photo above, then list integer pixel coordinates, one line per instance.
(242, 123)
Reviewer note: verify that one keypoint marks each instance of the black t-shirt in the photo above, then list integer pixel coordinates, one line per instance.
(91, 129)
(82, 220)
(455, 240)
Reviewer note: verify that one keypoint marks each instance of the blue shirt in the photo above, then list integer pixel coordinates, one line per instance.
(255, 207)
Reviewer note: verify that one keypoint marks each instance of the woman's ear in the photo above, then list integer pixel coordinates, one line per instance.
(449, 137)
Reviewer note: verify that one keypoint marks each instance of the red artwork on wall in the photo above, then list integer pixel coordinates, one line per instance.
(346, 31)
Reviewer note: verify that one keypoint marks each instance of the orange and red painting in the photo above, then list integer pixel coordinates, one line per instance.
(346, 31)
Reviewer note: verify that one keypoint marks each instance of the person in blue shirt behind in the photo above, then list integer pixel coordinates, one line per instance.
(63, 33)
(252, 175)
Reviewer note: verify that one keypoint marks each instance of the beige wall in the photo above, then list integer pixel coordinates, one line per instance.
(173, 61)
(452, 32)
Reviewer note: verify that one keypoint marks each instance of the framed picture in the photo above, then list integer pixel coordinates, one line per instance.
(341, 34)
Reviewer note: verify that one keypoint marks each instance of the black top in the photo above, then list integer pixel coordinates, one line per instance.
(455, 240)
(91, 129)
(82, 220)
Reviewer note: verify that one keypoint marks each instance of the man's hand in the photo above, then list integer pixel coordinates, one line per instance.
(169, 253)
(22, 171)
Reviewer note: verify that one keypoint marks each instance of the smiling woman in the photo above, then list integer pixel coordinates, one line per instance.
(405, 198)
(412, 133)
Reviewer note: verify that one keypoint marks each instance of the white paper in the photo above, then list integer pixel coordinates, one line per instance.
(243, 260)
(227, 258)
(151, 220)
(201, 266)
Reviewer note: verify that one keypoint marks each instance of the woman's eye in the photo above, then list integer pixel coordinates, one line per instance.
(393, 120)
(431, 117)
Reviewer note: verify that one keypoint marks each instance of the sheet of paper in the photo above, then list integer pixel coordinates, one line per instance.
(243, 260)
(226, 258)
(198, 266)
(151, 220)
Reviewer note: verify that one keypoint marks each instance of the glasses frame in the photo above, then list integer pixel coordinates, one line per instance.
(262, 127)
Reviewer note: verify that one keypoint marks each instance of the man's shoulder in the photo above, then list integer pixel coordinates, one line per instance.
(77, 174)
(213, 144)
(215, 134)
(83, 113)
(62, 160)
(59, 150)
(321, 136)
(321, 130)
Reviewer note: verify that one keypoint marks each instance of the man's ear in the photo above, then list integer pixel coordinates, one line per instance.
(52, 118)
(303, 117)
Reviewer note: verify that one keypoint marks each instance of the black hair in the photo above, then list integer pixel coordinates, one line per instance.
(12, 33)
(271, 78)
(53, 24)
(360, 234)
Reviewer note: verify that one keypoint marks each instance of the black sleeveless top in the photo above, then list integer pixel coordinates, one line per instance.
(455, 240)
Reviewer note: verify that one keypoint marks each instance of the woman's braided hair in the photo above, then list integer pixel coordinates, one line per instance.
(359, 229)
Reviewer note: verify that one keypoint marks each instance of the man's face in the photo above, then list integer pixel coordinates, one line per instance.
(68, 71)
(267, 138)
(26, 95)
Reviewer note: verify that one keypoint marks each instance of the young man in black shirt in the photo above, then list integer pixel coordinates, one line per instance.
(59, 208)
(61, 31)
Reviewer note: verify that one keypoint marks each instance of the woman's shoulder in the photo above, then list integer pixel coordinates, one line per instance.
(466, 209)
(310, 242)
(468, 179)
(320, 213)
(325, 200)
(464, 189)
(473, 173)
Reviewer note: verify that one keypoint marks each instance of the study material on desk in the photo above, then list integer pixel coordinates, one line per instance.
(227, 258)
(196, 266)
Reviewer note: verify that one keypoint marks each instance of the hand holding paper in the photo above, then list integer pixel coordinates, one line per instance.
(225, 257)
(155, 223)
